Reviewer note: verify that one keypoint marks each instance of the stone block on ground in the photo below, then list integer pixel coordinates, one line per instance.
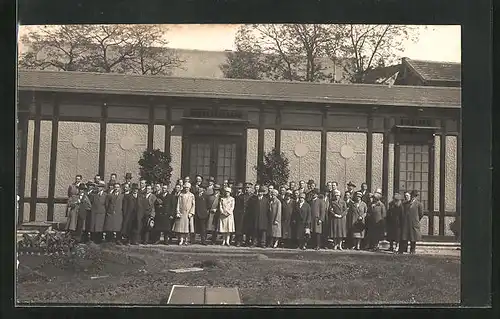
(199, 295)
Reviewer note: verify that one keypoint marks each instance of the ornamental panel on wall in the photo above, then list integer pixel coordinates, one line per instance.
(77, 153)
(252, 145)
(303, 150)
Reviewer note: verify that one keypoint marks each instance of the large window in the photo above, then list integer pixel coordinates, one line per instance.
(414, 170)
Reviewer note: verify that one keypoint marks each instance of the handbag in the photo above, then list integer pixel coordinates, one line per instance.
(308, 231)
(151, 222)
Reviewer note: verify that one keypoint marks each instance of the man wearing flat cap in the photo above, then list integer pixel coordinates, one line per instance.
(376, 221)
(259, 209)
(301, 222)
(213, 202)
(410, 223)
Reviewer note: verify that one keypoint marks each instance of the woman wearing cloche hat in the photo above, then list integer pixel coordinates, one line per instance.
(226, 219)
(394, 214)
(375, 220)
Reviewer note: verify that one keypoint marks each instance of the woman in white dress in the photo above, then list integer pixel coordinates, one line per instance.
(226, 221)
(184, 223)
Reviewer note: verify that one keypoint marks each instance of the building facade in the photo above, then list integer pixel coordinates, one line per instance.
(395, 138)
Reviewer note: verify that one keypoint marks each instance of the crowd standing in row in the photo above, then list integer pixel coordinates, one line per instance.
(292, 216)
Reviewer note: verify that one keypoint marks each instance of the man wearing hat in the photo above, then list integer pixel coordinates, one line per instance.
(238, 212)
(259, 209)
(301, 222)
(311, 186)
(394, 214)
(365, 194)
(410, 223)
(302, 187)
(350, 188)
(213, 202)
(78, 207)
(133, 211)
(201, 215)
(244, 224)
(98, 213)
(318, 216)
(73, 188)
(287, 208)
(376, 221)
(114, 213)
(149, 215)
(210, 187)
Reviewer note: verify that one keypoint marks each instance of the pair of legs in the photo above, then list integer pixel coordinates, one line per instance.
(183, 238)
(403, 246)
(275, 241)
(302, 242)
(112, 236)
(317, 240)
(337, 243)
(226, 239)
(262, 235)
(357, 243)
(392, 243)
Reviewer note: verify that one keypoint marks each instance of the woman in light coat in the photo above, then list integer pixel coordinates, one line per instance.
(226, 219)
(184, 223)
(356, 219)
(274, 217)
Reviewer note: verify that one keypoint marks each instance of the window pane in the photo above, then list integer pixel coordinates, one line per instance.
(425, 185)
(418, 149)
(418, 167)
(425, 167)
(402, 176)
(418, 157)
(410, 157)
(425, 177)
(425, 149)
(402, 166)
(409, 167)
(410, 148)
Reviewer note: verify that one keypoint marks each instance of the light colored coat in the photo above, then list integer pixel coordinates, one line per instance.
(275, 218)
(98, 212)
(184, 222)
(226, 220)
(114, 213)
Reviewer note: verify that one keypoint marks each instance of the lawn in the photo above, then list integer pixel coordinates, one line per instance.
(139, 275)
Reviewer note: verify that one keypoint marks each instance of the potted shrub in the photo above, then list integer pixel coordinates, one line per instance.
(273, 169)
(155, 166)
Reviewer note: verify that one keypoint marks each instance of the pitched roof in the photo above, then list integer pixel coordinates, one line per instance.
(361, 94)
(435, 71)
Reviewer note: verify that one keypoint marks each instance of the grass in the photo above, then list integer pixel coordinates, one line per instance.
(139, 275)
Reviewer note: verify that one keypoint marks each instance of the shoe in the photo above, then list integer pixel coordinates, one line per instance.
(303, 248)
(340, 248)
(238, 244)
(412, 252)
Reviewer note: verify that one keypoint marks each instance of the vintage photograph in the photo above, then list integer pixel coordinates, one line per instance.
(257, 164)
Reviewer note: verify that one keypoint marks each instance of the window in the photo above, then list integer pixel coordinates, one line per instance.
(414, 170)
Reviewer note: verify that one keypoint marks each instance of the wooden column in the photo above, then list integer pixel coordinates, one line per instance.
(442, 178)
(168, 133)
(260, 143)
(322, 164)
(430, 199)
(53, 158)
(102, 139)
(369, 152)
(277, 134)
(397, 159)
(151, 126)
(23, 123)
(36, 156)
(459, 170)
(385, 161)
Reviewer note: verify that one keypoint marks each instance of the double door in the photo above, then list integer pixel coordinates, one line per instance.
(216, 156)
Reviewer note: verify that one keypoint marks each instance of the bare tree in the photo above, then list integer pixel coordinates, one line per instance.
(100, 48)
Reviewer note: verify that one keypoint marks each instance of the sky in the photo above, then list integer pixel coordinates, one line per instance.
(436, 43)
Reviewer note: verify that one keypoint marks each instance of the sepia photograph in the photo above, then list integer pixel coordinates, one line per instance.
(238, 164)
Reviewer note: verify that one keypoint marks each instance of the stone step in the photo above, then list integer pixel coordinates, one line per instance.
(40, 226)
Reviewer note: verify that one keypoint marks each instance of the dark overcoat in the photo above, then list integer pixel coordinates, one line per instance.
(247, 219)
(393, 221)
(318, 214)
(301, 219)
(114, 213)
(98, 212)
(162, 221)
(200, 212)
(213, 202)
(375, 221)
(356, 219)
(286, 218)
(410, 221)
(238, 213)
(337, 227)
(260, 211)
(133, 212)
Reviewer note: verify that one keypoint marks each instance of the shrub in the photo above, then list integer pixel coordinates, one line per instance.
(274, 169)
(155, 166)
(47, 242)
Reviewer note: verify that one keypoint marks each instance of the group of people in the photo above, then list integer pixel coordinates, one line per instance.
(297, 215)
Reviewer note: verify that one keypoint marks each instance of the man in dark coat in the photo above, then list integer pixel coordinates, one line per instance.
(114, 213)
(201, 215)
(162, 221)
(318, 214)
(213, 202)
(311, 186)
(239, 211)
(149, 215)
(410, 223)
(83, 211)
(393, 220)
(198, 180)
(260, 211)
(365, 194)
(247, 221)
(133, 212)
(301, 222)
(172, 201)
(375, 221)
(98, 213)
(287, 208)
(210, 187)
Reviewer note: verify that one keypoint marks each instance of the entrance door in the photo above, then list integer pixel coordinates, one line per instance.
(412, 171)
(214, 156)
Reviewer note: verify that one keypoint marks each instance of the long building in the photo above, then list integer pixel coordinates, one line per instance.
(396, 137)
